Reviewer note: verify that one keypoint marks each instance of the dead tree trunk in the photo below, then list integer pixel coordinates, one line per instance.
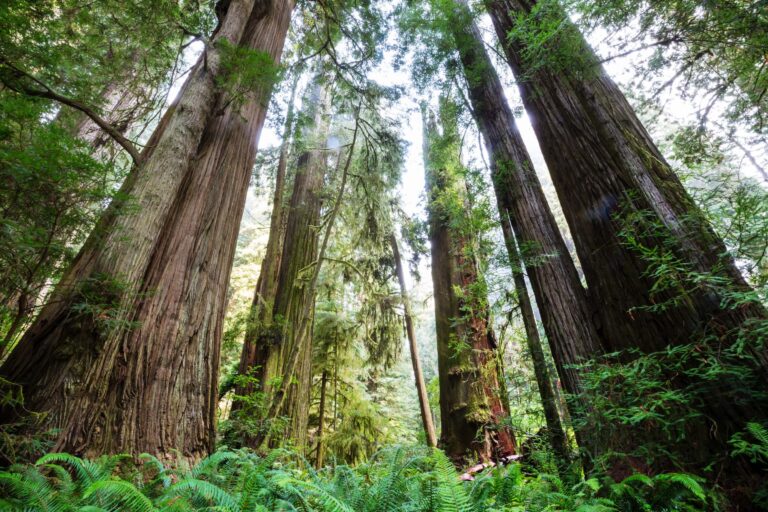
(471, 408)
(418, 375)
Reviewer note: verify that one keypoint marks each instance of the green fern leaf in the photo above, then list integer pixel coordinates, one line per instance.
(120, 492)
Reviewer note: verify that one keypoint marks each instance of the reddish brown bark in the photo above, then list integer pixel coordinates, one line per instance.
(609, 173)
(562, 301)
(556, 432)
(138, 372)
(605, 165)
(471, 408)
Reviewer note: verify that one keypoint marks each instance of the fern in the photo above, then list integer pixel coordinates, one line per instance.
(452, 496)
(756, 449)
(210, 493)
(119, 495)
(398, 479)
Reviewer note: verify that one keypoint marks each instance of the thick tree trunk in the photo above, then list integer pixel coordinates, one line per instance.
(180, 323)
(559, 294)
(605, 166)
(282, 341)
(260, 322)
(418, 375)
(470, 406)
(124, 357)
(618, 193)
(555, 428)
(121, 108)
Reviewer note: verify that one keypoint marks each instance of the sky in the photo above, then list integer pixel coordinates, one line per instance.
(411, 189)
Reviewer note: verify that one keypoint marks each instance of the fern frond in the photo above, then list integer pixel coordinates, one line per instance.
(120, 492)
(686, 481)
(200, 488)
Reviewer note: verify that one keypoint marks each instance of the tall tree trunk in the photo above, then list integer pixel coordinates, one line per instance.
(124, 357)
(296, 363)
(260, 320)
(418, 376)
(562, 301)
(620, 196)
(470, 406)
(283, 339)
(555, 428)
(605, 167)
(121, 108)
(320, 456)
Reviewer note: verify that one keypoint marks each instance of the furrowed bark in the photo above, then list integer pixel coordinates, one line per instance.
(559, 294)
(110, 384)
(471, 408)
(608, 174)
(180, 311)
(287, 354)
(418, 375)
(260, 322)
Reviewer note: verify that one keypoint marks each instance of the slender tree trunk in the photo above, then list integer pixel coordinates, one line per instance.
(562, 300)
(260, 322)
(124, 357)
(622, 201)
(418, 376)
(320, 457)
(470, 406)
(555, 428)
(289, 336)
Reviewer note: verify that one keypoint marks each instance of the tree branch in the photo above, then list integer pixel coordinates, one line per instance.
(50, 94)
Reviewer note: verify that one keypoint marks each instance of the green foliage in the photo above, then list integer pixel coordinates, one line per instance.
(715, 50)
(548, 40)
(753, 442)
(50, 196)
(250, 420)
(396, 479)
(246, 73)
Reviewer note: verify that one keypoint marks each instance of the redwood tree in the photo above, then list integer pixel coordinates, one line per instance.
(278, 338)
(256, 344)
(124, 358)
(471, 407)
(657, 273)
(562, 300)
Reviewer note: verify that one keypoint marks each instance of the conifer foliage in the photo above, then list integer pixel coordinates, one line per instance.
(356, 255)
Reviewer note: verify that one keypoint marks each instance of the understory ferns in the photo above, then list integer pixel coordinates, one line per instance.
(395, 479)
